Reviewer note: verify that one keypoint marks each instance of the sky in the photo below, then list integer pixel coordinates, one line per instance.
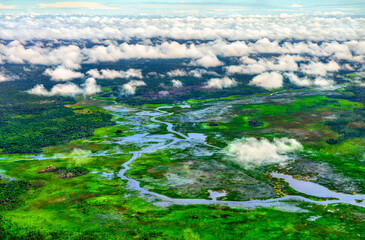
(182, 7)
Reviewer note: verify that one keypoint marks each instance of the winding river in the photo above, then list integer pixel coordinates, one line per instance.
(305, 187)
(174, 137)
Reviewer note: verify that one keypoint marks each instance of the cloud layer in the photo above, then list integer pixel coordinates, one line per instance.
(317, 27)
(305, 50)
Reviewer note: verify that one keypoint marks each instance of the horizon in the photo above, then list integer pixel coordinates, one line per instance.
(180, 8)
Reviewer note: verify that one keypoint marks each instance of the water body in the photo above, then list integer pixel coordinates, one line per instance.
(305, 187)
(157, 142)
(314, 189)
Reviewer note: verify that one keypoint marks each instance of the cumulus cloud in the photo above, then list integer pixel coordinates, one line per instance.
(177, 73)
(319, 68)
(252, 66)
(175, 83)
(207, 61)
(67, 89)
(252, 152)
(62, 74)
(112, 74)
(356, 46)
(90, 87)
(131, 87)
(234, 49)
(204, 54)
(307, 82)
(323, 82)
(268, 80)
(301, 82)
(220, 83)
(3, 78)
(68, 56)
(198, 73)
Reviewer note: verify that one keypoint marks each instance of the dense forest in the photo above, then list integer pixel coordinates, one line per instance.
(28, 122)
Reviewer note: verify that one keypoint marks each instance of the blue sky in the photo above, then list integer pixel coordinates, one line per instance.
(182, 7)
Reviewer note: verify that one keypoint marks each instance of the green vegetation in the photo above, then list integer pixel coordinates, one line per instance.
(28, 127)
(305, 115)
(12, 193)
(66, 172)
(330, 127)
(207, 222)
(81, 138)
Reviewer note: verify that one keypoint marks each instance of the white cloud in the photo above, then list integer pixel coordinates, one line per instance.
(295, 5)
(207, 61)
(323, 82)
(165, 50)
(112, 74)
(204, 54)
(356, 46)
(2, 6)
(264, 45)
(197, 73)
(89, 5)
(163, 93)
(318, 27)
(252, 66)
(176, 83)
(90, 87)
(268, 80)
(234, 49)
(220, 83)
(307, 82)
(15, 52)
(251, 152)
(67, 89)
(62, 74)
(3, 78)
(177, 73)
(319, 68)
(301, 82)
(131, 87)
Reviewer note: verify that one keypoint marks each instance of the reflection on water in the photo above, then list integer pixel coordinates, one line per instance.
(152, 143)
(314, 189)
(191, 138)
